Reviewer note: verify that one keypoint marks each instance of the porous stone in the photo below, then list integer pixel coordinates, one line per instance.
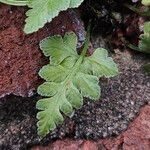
(137, 137)
(21, 57)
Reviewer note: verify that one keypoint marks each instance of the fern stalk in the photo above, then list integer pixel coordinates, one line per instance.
(87, 41)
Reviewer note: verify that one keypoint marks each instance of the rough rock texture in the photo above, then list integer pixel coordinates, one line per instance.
(21, 57)
(121, 100)
(137, 137)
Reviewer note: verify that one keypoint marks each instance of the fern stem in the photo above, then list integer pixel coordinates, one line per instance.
(15, 2)
(87, 41)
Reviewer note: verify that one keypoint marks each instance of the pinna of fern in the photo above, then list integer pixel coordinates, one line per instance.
(42, 11)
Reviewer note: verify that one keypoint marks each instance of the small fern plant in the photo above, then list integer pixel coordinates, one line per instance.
(68, 78)
(42, 11)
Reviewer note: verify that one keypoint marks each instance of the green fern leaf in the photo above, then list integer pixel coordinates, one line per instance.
(60, 48)
(43, 11)
(67, 82)
(144, 44)
(99, 64)
(15, 2)
(146, 2)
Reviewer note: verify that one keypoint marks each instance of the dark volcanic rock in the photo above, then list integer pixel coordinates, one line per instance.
(21, 57)
(121, 98)
(18, 128)
(137, 137)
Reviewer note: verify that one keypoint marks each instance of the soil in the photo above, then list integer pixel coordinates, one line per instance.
(122, 96)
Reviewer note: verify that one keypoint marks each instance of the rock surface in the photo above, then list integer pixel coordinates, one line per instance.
(21, 57)
(120, 102)
(137, 137)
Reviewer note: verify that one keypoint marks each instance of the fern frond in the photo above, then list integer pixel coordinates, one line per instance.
(69, 77)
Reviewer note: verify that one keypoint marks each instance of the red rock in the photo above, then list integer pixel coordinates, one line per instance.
(89, 145)
(69, 144)
(62, 145)
(21, 57)
(137, 137)
(138, 134)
